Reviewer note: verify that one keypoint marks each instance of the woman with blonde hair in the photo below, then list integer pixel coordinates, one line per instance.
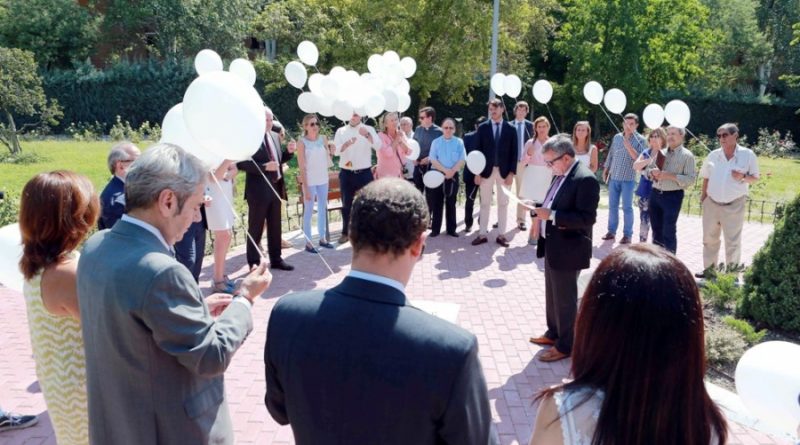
(534, 156)
(221, 218)
(57, 211)
(314, 160)
(585, 151)
(394, 148)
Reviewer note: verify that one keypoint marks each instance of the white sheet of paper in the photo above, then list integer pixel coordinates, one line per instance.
(535, 182)
(516, 201)
(445, 311)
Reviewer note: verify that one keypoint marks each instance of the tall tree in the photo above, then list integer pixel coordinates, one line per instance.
(776, 18)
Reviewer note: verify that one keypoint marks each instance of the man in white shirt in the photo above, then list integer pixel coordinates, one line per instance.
(727, 173)
(354, 145)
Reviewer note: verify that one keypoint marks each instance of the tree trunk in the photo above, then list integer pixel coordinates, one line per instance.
(11, 134)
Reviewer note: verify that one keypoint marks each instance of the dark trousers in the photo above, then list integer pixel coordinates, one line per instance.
(419, 172)
(190, 250)
(470, 193)
(351, 182)
(561, 305)
(259, 212)
(664, 210)
(444, 198)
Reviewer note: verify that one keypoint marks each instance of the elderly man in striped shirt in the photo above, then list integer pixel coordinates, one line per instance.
(672, 171)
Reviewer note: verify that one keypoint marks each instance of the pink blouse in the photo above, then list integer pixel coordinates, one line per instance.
(538, 157)
(390, 162)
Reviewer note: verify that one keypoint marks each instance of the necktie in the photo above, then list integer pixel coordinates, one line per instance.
(273, 155)
(548, 200)
(496, 142)
(520, 139)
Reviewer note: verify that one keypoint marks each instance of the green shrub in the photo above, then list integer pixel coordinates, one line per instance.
(721, 289)
(122, 131)
(772, 284)
(771, 144)
(24, 158)
(9, 209)
(751, 336)
(724, 345)
(83, 131)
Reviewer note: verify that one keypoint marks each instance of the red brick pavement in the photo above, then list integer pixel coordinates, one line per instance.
(501, 296)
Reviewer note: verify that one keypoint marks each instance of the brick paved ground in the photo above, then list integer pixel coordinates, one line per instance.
(501, 296)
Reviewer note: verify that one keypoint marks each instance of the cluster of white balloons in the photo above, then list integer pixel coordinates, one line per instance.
(342, 92)
(676, 112)
(11, 246)
(508, 85)
(221, 116)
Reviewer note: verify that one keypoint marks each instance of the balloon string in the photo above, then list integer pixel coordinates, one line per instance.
(233, 210)
(698, 139)
(609, 118)
(269, 183)
(552, 118)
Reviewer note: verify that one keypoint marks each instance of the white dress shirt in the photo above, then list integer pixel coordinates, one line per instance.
(717, 168)
(359, 155)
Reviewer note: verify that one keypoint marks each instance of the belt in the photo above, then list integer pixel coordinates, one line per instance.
(355, 172)
(724, 203)
(666, 191)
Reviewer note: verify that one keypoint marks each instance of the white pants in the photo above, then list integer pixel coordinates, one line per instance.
(522, 211)
(486, 202)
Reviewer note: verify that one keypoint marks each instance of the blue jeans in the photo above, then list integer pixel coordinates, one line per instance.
(320, 192)
(664, 210)
(623, 189)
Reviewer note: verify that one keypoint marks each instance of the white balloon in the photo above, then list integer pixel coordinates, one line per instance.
(338, 72)
(433, 179)
(414, 146)
(476, 162)
(403, 87)
(308, 53)
(342, 110)
(391, 57)
(375, 63)
(615, 100)
(295, 74)
(330, 87)
(225, 115)
(498, 84)
(542, 91)
(307, 102)
(392, 102)
(11, 246)
(375, 104)
(768, 381)
(315, 83)
(175, 132)
(512, 85)
(409, 66)
(593, 92)
(677, 113)
(360, 110)
(244, 69)
(653, 116)
(207, 61)
(324, 105)
(404, 101)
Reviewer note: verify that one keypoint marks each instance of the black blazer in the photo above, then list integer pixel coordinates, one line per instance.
(568, 241)
(254, 187)
(506, 147)
(470, 144)
(357, 365)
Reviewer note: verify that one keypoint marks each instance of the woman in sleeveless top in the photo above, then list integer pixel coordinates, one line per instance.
(534, 156)
(394, 148)
(638, 362)
(221, 217)
(57, 211)
(585, 151)
(314, 161)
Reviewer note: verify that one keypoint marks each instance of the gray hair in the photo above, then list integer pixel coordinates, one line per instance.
(682, 131)
(729, 128)
(560, 144)
(163, 167)
(119, 152)
(407, 119)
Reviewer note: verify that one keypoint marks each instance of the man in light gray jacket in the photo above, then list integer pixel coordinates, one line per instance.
(155, 354)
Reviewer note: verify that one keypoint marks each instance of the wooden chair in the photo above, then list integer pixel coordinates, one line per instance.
(334, 201)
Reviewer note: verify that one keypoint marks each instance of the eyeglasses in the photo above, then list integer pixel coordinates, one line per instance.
(422, 117)
(126, 161)
(550, 163)
(313, 124)
(723, 135)
(448, 128)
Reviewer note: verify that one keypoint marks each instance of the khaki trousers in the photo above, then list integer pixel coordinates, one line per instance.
(486, 202)
(728, 220)
(522, 212)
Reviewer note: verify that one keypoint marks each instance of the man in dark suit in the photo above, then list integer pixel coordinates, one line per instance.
(264, 200)
(524, 129)
(497, 140)
(470, 144)
(112, 199)
(357, 364)
(565, 241)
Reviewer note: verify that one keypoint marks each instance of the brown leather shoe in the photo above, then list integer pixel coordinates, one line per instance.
(480, 239)
(608, 236)
(542, 341)
(285, 244)
(502, 241)
(625, 240)
(552, 355)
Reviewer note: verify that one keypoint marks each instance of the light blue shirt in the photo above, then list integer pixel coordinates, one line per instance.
(448, 151)
(377, 279)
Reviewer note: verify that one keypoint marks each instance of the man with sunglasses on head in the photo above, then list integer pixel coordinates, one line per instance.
(727, 173)
(424, 134)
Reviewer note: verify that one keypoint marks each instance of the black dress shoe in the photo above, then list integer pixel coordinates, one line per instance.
(479, 240)
(502, 241)
(453, 234)
(700, 275)
(495, 225)
(282, 265)
(522, 226)
(433, 234)
(467, 229)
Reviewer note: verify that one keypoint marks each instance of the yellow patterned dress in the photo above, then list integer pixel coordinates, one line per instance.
(60, 366)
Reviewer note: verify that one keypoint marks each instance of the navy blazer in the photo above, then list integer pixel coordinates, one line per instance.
(506, 148)
(357, 365)
(567, 244)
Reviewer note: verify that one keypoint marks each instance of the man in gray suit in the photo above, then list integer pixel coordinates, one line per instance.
(155, 356)
(363, 365)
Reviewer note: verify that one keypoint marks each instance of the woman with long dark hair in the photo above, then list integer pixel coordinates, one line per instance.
(638, 361)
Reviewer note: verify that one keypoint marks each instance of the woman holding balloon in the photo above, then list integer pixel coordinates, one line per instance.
(447, 156)
(313, 160)
(220, 216)
(394, 148)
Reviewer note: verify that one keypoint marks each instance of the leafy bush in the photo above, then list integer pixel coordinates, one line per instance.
(9, 210)
(724, 345)
(24, 158)
(772, 284)
(122, 131)
(83, 131)
(771, 144)
(751, 336)
(721, 289)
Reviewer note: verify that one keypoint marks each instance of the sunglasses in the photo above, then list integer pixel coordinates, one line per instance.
(722, 135)
(313, 124)
(550, 163)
